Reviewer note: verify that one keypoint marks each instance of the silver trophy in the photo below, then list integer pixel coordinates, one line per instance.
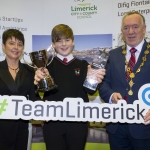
(42, 58)
(99, 62)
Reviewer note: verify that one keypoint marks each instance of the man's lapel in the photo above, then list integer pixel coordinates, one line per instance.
(137, 65)
(121, 61)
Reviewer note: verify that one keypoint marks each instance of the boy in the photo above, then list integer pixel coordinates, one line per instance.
(69, 74)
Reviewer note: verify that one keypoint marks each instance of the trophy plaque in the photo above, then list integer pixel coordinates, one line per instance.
(40, 59)
(99, 62)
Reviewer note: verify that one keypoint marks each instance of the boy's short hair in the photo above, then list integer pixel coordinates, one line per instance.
(9, 33)
(61, 31)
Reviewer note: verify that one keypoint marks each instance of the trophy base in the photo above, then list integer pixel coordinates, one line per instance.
(90, 84)
(45, 89)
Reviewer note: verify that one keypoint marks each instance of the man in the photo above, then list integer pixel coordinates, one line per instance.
(126, 72)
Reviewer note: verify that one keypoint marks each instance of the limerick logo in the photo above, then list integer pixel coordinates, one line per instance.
(83, 10)
(3, 105)
(144, 94)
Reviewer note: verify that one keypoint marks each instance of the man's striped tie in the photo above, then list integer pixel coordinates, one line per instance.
(131, 63)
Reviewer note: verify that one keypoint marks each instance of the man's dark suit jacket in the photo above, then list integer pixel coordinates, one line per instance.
(115, 81)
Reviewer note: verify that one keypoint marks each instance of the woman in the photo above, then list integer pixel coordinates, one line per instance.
(15, 79)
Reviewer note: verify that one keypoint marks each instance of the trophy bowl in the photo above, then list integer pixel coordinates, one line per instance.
(40, 59)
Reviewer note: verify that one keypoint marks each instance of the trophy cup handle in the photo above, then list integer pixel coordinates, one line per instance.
(50, 48)
(29, 64)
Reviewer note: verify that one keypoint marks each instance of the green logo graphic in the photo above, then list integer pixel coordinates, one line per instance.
(84, 10)
(2, 106)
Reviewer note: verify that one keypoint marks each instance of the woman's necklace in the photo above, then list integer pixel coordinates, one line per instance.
(13, 69)
(131, 74)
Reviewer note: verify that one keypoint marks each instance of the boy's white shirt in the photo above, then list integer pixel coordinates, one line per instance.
(69, 57)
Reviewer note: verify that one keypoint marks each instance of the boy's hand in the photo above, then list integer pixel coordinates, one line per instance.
(98, 73)
(40, 74)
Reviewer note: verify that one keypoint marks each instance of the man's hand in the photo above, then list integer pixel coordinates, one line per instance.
(147, 118)
(116, 97)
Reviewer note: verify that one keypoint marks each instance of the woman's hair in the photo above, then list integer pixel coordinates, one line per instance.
(12, 33)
